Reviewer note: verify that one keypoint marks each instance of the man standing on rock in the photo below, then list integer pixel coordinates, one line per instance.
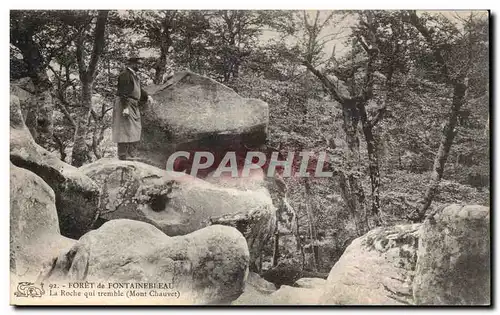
(126, 111)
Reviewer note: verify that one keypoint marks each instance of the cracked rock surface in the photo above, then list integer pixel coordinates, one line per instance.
(208, 266)
(376, 268)
(453, 266)
(178, 205)
(194, 112)
(34, 228)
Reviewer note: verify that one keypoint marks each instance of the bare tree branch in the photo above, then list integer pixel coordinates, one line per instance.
(98, 43)
(57, 50)
(438, 53)
(66, 114)
(326, 82)
(82, 70)
(60, 96)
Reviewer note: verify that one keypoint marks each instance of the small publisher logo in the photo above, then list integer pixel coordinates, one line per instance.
(29, 289)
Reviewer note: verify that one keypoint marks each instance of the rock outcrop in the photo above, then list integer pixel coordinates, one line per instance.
(453, 266)
(77, 196)
(177, 203)
(260, 284)
(208, 266)
(195, 113)
(34, 228)
(285, 295)
(375, 269)
(257, 226)
(256, 180)
(257, 291)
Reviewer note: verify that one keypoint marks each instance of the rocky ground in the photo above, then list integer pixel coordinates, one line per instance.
(127, 221)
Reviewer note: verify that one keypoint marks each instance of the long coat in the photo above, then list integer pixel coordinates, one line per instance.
(130, 94)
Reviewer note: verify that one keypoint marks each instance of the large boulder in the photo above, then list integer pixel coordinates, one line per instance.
(77, 196)
(208, 266)
(453, 266)
(256, 292)
(34, 228)
(375, 269)
(178, 203)
(191, 112)
(310, 283)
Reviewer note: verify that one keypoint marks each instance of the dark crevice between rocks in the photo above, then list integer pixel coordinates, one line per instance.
(67, 221)
(162, 144)
(158, 202)
(61, 265)
(65, 193)
(50, 176)
(98, 223)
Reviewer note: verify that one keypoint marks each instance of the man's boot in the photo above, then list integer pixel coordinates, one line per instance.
(132, 151)
(122, 150)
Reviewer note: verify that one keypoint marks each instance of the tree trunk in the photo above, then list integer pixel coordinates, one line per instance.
(400, 164)
(459, 92)
(81, 152)
(374, 170)
(276, 238)
(165, 43)
(373, 166)
(312, 225)
(235, 66)
(300, 247)
(100, 128)
(351, 188)
(160, 67)
(276, 242)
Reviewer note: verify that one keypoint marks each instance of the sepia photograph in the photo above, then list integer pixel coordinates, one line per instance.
(250, 157)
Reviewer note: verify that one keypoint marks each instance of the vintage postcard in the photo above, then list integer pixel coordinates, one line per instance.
(250, 157)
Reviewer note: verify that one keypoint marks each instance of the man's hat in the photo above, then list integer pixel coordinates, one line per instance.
(134, 58)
